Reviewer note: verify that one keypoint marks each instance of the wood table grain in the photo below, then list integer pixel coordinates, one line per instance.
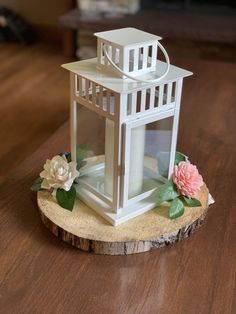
(32, 85)
(39, 274)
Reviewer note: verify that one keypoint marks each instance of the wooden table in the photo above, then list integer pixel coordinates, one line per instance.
(39, 274)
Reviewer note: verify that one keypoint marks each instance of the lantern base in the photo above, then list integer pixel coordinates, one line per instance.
(88, 231)
(106, 212)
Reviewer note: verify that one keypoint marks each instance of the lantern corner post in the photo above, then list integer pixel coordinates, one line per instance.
(178, 93)
(120, 105)
(73, 116)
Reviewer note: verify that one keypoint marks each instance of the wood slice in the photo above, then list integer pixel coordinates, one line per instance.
(86, 230)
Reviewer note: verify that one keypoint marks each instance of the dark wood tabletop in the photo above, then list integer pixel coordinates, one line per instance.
(40, 274)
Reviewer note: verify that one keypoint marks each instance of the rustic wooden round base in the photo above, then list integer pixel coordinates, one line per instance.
(86, 230)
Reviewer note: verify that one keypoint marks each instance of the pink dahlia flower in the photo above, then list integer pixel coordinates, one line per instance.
(187, 179)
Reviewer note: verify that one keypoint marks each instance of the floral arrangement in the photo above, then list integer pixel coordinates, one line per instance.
(60, 173)
(59, 176)
(182, 188)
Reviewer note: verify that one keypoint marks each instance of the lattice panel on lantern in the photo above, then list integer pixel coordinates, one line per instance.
(136, 60)
(142, 58)
(113, 51)
(96, 97)
(128, 54)
(161, 97)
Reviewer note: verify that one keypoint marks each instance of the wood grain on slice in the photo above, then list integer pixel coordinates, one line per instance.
(86, 230)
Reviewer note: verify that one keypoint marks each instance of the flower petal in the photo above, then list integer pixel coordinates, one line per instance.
(45, 185)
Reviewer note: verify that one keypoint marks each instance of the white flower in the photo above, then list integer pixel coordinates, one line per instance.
(58, 173)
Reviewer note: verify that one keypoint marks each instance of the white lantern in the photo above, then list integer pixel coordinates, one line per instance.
(125, 106)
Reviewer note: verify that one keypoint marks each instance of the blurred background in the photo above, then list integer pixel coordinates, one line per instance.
(36, 37)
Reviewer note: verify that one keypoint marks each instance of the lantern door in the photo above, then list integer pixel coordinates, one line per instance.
(147, 147)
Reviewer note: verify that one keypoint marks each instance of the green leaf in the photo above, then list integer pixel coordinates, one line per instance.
(66, 199)
(167, 192)
(179, 157)
(191, 202)
(176, 208)
(81, 153)
(36, 186)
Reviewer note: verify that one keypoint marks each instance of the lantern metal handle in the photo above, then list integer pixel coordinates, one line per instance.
(139, 79)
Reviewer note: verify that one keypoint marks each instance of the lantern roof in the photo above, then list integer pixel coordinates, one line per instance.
(89, 70)
(127, 36)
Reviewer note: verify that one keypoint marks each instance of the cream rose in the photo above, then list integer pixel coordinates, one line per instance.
(58, 173)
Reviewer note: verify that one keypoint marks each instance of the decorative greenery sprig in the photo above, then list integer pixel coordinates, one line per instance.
(179, 190)
(59, 176)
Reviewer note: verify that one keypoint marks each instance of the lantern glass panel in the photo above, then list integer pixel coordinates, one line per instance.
(149, 159)
(96, 133)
